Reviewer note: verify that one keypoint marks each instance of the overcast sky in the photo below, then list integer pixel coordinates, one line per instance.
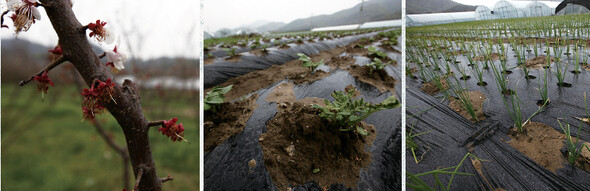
(153, 28)
(231, 13)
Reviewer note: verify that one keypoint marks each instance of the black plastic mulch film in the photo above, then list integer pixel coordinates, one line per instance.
(222, 71)
(505, 167)
(226, 166)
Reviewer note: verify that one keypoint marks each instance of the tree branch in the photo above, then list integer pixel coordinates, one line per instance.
(155, 123)
(139, 174)
(127, 110)
(166, 179)
(120, 150)
(57, 62)
(2, 18)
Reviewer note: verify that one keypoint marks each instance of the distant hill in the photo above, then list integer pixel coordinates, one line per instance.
(271, 26)
(17, 53)
(435, 6)
(373, 10)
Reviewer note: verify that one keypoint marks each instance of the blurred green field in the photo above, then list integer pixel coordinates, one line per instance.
(45, 146)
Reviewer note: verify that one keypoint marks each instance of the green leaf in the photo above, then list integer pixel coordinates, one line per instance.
(361, 131)
(225, 89)
(316, 170)
(214, 100)
(215, 96)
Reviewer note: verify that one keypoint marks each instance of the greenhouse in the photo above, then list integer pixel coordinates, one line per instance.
(538, 9)
(380, 24)
(439, 18)
(514, 9)
(374, 24)
(337, 28)
(505, 9)
(483, 13)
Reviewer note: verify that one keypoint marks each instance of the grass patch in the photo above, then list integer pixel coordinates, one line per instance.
(44, 144)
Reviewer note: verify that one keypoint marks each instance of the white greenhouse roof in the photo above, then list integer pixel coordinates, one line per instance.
(375, 24)
(379, 24)
(512, 9)
(336, 28)
(439, 18)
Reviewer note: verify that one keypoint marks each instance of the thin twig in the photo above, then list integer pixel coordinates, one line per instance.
(155, 123)
(102, 55)
(168, 178)
(57, 62)
(139, 173)
(2, 18)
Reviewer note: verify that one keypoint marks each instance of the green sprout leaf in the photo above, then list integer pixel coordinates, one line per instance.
(308, 63)
(316, 170)
(346, 113)
(377, 64)
(215, 97)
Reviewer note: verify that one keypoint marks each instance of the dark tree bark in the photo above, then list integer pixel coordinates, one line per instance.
(126, 107)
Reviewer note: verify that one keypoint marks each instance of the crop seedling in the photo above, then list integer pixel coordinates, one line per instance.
(543, 87)
(577, 66)
(469, 55)
(513, 109)
(411, 144)
(535, 49)
(573, 151)
(461, 70)
(374, 53)
(376, 65)
(255, 45)
(584, 55)
(548, 52)
(414, 181)
(264, 49)
(478, 71)
(586, 107)
(346, 113)
(231, 52)
(463, 96)
(409, 72)
(500, 79)
(434, 78)
(560, 73)
(306, 61)
(215, 97)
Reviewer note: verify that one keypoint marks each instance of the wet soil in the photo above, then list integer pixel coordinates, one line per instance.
(258, 52)
(584, 161)
(390, 48)
(357, 50)
(537, 62)
(234, 59)
(299, 146)
(477, 98)
(209, 60)
(293, 70)
(379, 78)
(540, 143)
(253, 81)
(229, 120)
(493, 56)
(431, 89)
